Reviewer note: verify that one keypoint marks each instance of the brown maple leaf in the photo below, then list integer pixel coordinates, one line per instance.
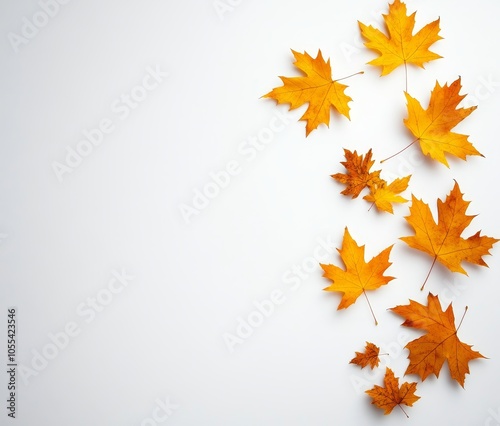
(401, 46)
(317, 88)
(358, 275)
(391, 395)
(441, 343)
(358, 174)
(443, 240)
(369, 357)
(432, 127)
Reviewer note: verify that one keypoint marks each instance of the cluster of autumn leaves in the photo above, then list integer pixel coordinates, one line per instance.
(441, 239)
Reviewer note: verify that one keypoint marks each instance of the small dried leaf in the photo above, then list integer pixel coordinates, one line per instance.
(368, 357)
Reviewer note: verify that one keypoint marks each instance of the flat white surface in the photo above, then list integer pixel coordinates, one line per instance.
(161, 337)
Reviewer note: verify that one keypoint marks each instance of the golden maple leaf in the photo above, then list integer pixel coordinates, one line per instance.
(443, 240)
(383, 195)
(401, 46)
(441, 343)
(358, 276)
(358, 174)
(369, 357)
(432, 127)
(317, 88)
(391, 395)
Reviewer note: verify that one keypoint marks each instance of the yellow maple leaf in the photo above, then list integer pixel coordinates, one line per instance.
(383, 195)
(443, 240)
(317, 88)
(432, 127)
(401, 46)
(358, 276)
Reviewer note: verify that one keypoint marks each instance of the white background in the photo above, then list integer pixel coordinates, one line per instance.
(162, 337)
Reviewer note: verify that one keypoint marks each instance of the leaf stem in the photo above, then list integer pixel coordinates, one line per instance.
(352, 75)
(428, 273)
(370, 306)
(465, 311)
(406, 78)
(402, 409)
(399, 152)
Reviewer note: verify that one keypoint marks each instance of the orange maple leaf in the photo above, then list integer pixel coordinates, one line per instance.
(317, 88)
(358, 276)
(384, 194)
(429, 352)
(443, 240)
(358, 174)
(391, 395)
(369, 357)
(432, 127)
(401, 46)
